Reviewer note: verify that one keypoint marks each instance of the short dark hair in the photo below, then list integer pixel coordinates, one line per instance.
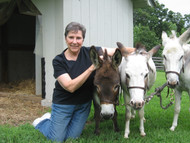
(75, 26)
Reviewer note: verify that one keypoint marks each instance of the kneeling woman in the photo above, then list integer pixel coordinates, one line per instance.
(72, 94)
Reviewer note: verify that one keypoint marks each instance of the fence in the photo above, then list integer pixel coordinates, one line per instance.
(158, 62)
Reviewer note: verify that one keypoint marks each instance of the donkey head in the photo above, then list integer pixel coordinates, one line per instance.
(135, 70)
(107, 80)
(173, 55)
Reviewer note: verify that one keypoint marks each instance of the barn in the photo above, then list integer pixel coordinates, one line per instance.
(32, 34)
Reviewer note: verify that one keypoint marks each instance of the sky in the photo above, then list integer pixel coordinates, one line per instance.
(181, 6)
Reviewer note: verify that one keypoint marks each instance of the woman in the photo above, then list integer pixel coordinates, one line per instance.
(72, 94)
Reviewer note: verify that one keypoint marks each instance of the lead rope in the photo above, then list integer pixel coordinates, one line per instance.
(171, 100)
(158, 93)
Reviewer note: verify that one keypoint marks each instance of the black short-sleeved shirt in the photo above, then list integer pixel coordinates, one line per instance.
(74, 68)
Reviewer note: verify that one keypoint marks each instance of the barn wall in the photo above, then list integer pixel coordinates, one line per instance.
(49, 41)
(107, 21)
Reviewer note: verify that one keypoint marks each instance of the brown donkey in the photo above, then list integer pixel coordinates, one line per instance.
(107, 82)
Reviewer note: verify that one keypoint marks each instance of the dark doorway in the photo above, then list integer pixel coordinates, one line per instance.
(17, 42)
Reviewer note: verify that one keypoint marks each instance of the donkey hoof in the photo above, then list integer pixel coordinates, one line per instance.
(143, 134)
(97, 132)
(172, 128)
(126, 136)
(117, 130)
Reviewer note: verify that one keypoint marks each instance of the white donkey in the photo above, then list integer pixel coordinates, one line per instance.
(138, 74)
(177, 67)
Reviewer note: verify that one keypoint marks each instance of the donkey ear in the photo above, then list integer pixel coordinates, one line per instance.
(116, 58)
(164, 37)
(154, 50)
(185, 37)
(95, 59)
(122, 49)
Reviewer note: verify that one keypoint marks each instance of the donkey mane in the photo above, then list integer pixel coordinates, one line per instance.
(187, 58)
(107, 70)
(173, 35)
(140, 49)
(105, 55)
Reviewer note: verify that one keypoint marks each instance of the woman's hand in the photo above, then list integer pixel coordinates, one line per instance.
(71, 85)
(92, 68)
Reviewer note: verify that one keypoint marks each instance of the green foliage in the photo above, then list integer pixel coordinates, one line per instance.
(143, 35)
(151, 21)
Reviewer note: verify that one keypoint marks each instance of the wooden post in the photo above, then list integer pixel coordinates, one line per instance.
(43, 78)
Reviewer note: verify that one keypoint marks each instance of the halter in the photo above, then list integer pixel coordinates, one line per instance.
(172, 72)
(110, 102)
(143, 88)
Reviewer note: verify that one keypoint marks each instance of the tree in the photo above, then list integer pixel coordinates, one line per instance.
(187, 20)
(147, 37)
(151, 21)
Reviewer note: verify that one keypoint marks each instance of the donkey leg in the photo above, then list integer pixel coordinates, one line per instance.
(97, 124)
(97, 118)
(115, 125)
(133, 113)
(141, 128)
(189, 99)
(176, 110)
(127, 121)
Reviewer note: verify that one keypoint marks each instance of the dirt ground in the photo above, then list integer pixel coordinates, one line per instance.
(19, 104)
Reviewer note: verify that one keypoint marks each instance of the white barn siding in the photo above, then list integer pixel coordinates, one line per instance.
(106, 21)
(49, 45)
(49, 42)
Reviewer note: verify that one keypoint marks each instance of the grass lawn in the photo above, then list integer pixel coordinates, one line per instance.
(158, 122)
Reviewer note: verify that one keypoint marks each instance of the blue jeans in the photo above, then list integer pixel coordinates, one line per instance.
(67, 121)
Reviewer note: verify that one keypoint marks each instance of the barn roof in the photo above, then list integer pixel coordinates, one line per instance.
(24, 6)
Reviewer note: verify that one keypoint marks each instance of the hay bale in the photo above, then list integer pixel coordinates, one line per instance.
(19, 87)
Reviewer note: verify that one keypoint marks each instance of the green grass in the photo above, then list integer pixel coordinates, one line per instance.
(158, 122)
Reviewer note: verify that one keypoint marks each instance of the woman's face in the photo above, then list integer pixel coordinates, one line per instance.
(74, 40)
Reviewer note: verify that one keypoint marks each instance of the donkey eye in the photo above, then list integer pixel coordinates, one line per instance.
(181, 58)
(127, 76)
(146, 76)
(98, 88)
(116, 87)
(165, 57)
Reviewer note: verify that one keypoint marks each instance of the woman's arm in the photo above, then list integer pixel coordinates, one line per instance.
(111, 51)
(71, 85)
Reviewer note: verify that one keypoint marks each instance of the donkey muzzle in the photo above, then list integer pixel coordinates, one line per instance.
(137, 105)
(172, 84)
(107, 111)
